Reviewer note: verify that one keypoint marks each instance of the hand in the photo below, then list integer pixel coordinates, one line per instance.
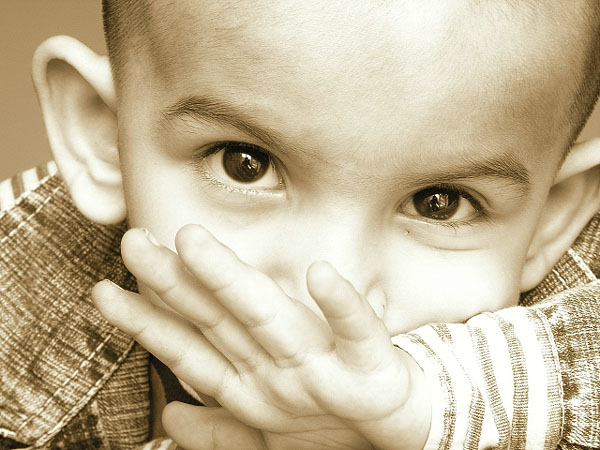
(203, 428)
(267, 358)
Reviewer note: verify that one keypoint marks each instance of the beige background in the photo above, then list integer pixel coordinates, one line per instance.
(23, 25)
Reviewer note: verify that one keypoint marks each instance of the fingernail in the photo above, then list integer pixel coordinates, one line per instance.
(113, 284)
(151, 237)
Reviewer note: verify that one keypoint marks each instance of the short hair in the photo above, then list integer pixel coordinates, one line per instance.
(126, 20)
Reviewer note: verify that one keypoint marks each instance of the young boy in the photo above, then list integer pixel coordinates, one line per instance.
(419, 149)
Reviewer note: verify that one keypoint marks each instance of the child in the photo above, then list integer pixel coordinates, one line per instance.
(415, 148)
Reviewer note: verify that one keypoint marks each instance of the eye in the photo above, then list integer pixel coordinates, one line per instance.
(245, 165)
(436, 204)
(241, 165)
(443, 204)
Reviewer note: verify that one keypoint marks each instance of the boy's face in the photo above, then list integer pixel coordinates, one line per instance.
(411, 146)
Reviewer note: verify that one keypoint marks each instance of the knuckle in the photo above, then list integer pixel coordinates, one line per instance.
(175, 361)
(291, 361)
(165, 286)
(247, 365)
(223, 285)
(209, 325)
(224, 387)
(260, 320)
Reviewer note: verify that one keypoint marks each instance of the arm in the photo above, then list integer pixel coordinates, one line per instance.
(527, 377)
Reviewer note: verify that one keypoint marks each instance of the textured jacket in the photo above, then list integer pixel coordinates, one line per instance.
(68, 379)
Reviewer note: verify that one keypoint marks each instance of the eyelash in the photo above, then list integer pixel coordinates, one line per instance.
(482, 213)
(212, 181)
(200, 158)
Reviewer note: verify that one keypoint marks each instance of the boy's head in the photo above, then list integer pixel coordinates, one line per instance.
(413, 145)
(133, 25)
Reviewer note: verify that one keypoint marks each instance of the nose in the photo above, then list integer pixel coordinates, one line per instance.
(348, 240)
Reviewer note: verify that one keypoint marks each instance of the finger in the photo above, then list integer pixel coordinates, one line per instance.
(359, 334)
(162, 270)
(201, 428)
(283, 326)
(169, 337)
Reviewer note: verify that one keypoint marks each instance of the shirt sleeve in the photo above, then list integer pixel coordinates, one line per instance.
(524, 377)
(160, 444)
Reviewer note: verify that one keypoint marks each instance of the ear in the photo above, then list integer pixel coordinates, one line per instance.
(573, 200)
(77, 96)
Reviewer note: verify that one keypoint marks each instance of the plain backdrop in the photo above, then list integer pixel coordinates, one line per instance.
(24, 24)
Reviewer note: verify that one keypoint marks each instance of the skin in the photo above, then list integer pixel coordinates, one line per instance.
(354, 150)
(361, 110)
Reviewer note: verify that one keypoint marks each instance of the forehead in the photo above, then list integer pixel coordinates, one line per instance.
(358, 69)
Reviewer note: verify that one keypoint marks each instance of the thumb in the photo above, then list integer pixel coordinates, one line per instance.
(204, 428)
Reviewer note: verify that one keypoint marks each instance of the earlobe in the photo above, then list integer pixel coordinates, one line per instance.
(573, 200)
(77, 96)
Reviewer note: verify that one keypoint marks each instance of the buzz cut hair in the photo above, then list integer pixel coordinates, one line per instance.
(126, 23)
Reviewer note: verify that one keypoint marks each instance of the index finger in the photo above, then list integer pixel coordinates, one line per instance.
(361, 338)
(282, 325)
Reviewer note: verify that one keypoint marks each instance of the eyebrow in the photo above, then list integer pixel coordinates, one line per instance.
(504, 167)
(209, 109)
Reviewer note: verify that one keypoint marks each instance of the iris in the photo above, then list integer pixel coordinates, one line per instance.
(436, 203)
(244, 163)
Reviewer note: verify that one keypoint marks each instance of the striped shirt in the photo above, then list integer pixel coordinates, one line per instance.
(13, 188)
(491, 382)
(523, 377)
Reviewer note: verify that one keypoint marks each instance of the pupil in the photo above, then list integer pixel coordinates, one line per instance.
(245, 165)
(436, 203)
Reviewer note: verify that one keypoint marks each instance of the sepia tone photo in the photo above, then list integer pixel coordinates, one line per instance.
(280, 225)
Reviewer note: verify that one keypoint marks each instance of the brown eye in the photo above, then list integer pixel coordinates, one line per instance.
(436, 203)
(241, 168)
(245, 163)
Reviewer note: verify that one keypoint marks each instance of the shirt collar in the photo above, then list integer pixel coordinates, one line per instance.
(57, 351)
(579, 266)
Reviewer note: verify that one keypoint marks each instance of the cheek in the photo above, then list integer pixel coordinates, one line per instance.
(161, 197)
(450, 288)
